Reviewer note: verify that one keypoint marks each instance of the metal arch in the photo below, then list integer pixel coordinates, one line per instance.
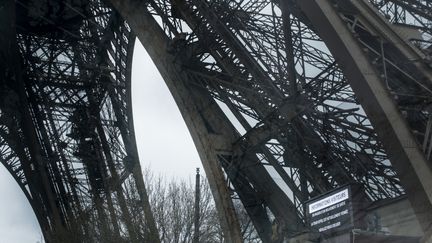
(156, 43)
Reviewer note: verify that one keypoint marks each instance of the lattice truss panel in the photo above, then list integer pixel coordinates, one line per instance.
(286, 95)
(76, 69)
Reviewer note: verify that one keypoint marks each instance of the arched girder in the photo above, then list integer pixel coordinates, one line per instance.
(212, 132)
(156, 43)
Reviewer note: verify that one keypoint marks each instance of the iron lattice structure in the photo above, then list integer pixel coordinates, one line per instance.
(66, 127)
(285, 100)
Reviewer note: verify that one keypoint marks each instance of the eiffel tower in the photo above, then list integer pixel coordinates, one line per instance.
(285, 100)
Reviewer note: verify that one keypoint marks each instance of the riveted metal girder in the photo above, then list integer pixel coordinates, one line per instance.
(192, 110)
(402, 148)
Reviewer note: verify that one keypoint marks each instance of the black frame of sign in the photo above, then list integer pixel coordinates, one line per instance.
(338, 216)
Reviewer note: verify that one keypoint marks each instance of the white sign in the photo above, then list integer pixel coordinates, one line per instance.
(328, 201)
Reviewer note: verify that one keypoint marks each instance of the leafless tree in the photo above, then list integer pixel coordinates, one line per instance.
(172, 203)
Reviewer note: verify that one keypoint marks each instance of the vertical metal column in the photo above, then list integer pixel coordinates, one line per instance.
(197, 207)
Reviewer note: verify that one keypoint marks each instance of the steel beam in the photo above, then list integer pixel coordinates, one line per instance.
(156, 43)
(403, 150)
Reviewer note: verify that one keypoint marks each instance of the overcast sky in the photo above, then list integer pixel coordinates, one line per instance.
(162, 136)
(163, 140)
